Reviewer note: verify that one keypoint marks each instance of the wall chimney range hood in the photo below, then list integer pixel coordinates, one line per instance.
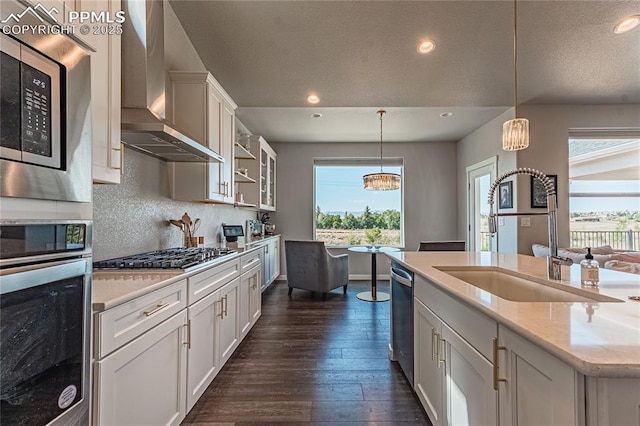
(143, 125)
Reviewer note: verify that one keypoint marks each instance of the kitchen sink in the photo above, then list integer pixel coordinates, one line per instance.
(512, 286)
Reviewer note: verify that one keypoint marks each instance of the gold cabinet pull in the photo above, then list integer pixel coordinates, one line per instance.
(155, 310)
(224, 311)
(188, 326)
(442, 360)
(496, 367)
(221, 301)
(434, 344)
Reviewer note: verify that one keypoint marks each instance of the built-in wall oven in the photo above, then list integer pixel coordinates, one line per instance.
(45, 116)
(45, 319)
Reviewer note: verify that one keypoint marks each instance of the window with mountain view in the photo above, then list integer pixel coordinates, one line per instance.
(604, 192)
(346, 214)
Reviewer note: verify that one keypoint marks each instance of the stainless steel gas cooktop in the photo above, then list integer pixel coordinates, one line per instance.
(173, 258)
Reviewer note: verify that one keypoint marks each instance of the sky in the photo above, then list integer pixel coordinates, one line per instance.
(339, 189)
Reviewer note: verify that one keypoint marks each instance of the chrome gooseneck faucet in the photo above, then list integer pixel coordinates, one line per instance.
(553, 260)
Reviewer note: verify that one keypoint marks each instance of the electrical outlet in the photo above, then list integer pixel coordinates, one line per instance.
(501, 221)
(525, 222)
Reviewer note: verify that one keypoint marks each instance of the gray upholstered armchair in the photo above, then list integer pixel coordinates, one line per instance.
(311, 267)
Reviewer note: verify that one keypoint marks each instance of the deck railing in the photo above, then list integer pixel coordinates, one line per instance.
(620, 240)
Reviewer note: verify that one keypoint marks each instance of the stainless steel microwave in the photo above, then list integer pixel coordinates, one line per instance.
(30, 119)
(45, 115)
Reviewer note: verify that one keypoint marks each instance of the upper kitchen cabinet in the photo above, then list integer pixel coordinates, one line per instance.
(202, 110)
(262, 194)
(105, 99)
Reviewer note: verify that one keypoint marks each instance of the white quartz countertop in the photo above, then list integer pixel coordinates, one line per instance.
(257, 240)
(597, 338)
(112, 287)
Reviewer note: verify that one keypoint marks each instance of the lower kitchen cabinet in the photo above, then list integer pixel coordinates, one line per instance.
(250, 299)
(428, 374)
(144, 382)
(469, 395)
(453, 381)
(229, 320)
(539, 388)
(203, 357)
(463, 383)
(270, 258)
(157, 354)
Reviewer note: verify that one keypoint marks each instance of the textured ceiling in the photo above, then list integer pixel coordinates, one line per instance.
(360, 56)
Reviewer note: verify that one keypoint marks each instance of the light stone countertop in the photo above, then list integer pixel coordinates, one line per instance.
(256, 240)
(597, 338)
(112, 287)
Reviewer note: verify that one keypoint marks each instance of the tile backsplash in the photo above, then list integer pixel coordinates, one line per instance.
(133, 217)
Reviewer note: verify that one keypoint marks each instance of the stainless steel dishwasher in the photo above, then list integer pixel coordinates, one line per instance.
(402, 318)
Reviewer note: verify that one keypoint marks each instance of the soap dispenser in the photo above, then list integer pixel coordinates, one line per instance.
(589, 270)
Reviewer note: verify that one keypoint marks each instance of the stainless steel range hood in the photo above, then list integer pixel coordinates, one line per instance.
(143, 125)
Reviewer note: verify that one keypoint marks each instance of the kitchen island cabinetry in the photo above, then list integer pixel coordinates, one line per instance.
(483, 359)
(262, 193)
(538, 388)
(202, 110)
(105, 99)
(453, 380)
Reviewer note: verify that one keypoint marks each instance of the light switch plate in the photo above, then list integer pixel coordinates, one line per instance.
(525, 222)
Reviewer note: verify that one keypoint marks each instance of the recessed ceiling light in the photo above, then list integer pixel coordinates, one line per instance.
(315, 115)
(313, 99)
(627, 24)
(426, 46)
(446, 114)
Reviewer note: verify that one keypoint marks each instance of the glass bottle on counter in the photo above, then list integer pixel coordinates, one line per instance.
(589, 270)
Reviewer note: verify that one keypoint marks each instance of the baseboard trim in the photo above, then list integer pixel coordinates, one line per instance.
(352, 277)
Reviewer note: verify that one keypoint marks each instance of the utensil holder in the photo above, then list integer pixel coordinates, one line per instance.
(190, 241)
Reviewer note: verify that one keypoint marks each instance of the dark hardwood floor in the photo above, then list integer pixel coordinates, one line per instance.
(312, 362)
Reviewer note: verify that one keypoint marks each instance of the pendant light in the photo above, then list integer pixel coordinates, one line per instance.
(515, 133)
(381, 181)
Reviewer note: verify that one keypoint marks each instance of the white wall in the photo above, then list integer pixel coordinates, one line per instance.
(483, 143)
(549, 152)
(429, 186)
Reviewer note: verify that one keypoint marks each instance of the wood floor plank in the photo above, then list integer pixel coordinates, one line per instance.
(373, 411)
(312, 362)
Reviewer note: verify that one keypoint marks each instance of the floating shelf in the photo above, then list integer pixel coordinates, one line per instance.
(240, 178)
(244, 205)
(242, 153)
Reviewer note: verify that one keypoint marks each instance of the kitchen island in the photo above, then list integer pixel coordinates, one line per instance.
(575, 360)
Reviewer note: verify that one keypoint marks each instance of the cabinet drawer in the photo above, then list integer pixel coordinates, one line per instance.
(123, 323)
(249, 260)
(204, 283)
(476, 328)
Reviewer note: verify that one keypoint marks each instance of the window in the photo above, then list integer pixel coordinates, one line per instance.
(346, 214)
(604, 192)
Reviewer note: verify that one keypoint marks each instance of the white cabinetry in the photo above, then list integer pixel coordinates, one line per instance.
(105, 99)
(453, 380)
(428, 375)
(250, 298)
(263, 192)
(270, 258)
(539, 388)
(213, 325)
(151, 354)
(202, 110)
(470, 370)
